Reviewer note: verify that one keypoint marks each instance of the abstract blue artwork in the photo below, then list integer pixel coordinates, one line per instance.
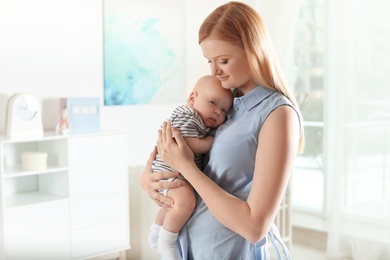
(144, 52)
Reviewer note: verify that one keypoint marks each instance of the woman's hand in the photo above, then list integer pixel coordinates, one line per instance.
(150, 182)
(173, 149)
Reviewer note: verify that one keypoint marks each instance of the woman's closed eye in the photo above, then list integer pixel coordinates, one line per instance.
(222, 62)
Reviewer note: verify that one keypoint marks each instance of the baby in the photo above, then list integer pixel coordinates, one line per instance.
(205, 109)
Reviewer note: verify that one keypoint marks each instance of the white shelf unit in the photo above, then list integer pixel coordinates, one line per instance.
(76, 208)
(22, 187)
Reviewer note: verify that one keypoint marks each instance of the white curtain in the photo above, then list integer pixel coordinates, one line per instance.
(281, 17)
(358, 147)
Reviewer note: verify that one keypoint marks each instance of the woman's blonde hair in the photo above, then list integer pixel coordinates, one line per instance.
(241, 25)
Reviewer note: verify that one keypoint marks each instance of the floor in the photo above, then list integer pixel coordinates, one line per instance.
(307, 245)
(300, 252)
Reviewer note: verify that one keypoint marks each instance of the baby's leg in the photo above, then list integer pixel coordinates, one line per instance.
(176, 217)
(155, 228)
(184, 204)
(161, 216)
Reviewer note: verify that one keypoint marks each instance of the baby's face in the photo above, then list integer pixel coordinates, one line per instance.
(212, 104)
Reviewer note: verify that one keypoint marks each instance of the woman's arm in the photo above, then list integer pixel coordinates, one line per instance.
(150, 182)
(278, 142)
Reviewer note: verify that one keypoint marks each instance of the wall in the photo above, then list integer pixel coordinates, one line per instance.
(50, 49)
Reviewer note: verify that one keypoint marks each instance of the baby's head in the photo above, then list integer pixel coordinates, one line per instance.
(210, 100)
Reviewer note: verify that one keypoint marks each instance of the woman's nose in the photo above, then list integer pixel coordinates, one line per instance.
(215, 71)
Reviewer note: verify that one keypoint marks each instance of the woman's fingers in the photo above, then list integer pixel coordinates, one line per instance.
(165, 135)
(172, 147)
(168, 132)
(145, 178)
(161, 200)
(178, 138)
(164, 138)
(151, 182)
(160, 141)
(151, 158)
(158, 176)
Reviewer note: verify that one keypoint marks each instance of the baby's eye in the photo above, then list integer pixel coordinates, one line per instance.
(213, 103)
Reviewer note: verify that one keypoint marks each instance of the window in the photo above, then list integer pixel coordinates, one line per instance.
(309, 61)
(343, 70)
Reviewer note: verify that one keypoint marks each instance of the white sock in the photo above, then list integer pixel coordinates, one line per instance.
(167, 244)
(153, 235)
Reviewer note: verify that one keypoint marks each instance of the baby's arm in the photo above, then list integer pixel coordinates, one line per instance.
(199, 145)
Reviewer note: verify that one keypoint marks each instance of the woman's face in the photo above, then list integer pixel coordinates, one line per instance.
(229, 63)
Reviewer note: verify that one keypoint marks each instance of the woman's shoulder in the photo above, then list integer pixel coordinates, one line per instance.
(268, 99)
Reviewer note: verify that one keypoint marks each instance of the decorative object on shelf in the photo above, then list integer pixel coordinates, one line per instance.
(23, 117)
(82, 113)
(33, 161)
(63, 124)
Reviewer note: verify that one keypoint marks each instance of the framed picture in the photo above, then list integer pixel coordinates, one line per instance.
(144, 52)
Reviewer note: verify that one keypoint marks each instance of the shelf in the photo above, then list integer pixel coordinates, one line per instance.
(13, 171)
(52, 135)
(30, 198)
(47, 136)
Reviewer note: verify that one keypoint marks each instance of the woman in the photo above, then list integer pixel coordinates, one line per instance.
(252, 156)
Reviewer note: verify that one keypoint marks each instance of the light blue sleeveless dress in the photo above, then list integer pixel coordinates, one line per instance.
(231, 165)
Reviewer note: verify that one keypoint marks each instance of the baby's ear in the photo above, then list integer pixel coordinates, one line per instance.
(192, 97)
